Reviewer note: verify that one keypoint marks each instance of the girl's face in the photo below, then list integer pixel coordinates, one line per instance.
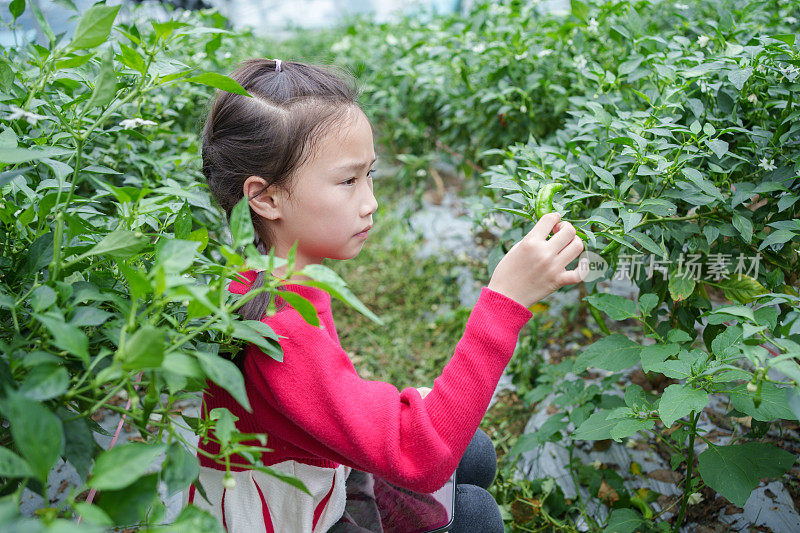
(331, 201)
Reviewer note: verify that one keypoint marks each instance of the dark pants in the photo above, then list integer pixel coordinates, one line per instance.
(475, 508)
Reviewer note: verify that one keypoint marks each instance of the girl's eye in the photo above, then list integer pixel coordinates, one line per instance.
(352, 181)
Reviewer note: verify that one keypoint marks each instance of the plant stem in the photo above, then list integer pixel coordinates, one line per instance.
(687, 486)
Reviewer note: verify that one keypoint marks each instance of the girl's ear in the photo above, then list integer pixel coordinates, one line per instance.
(268, 201)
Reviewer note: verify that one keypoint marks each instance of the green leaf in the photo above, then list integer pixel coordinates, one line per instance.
(604, 175)
(132, 59)
(180, 468)
(143, 349)
(615, 352)
(105, 84)
(259, 334)
(241, 224)
(681, 286)
(66, 336)
(734, 310)
(225, 426)
(596, 427)
(647, 302)
(16, 8)
(703, 184)
(718, 146)
(326, 279)
(655, 354)
(48, 31)
(787, 38)
(624, 520)
(225, 374)
(302, 306)
(12, 465)
(193, 518)
(45, 381)
(95, 26)
(13, 156)
(680, 400)
(647, 243)
(682, 368)
(742, 289)
(212, 79)
(92, 514)
(739, 77)
(37, 433)
(776, 237)
(615, 306)
(176, 255)
(773, 403)
(6, 79)
(42, 298)
(744, 226)
(734, 471)
(121, 465)
(119, 244)
(630, 426)
(128, 506)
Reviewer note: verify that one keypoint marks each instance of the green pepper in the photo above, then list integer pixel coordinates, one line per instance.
(599, 319)
(646, 510)
(612, 246)
(544, 199)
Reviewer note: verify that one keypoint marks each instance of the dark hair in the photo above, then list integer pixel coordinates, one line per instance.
(271, 135)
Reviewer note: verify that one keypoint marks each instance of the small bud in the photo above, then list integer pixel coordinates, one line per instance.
(752, 387)
(228, 482)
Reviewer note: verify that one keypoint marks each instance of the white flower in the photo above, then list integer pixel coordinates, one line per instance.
(630, 443)
(694, 498)
(596, 464)
(703, 40)
(478, 48)
(790, 20)
(580, 62)
(593, 25)
(767, 165)
(789, 71)
(752, 99)
(523, 55)
(704, 88)
(18, 112)
(130, 123)
(391, 40)
(681, 6)
(544, 53)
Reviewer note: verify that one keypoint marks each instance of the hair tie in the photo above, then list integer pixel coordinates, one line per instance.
(277, 65)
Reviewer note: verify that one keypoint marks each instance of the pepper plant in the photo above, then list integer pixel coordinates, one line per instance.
(114, 270)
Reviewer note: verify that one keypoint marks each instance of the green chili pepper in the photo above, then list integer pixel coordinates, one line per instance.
(544, 199)
(647, 511)
(757, 397)
(599, 319)
(612, 246)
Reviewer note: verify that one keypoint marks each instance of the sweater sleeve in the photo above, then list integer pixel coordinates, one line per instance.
(371, 426)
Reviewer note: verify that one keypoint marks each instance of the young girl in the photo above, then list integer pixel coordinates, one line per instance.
(301, 150)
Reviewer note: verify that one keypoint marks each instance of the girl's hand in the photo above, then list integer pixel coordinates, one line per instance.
(535, 267)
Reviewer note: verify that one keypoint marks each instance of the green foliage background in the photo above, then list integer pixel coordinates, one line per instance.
(673, 129)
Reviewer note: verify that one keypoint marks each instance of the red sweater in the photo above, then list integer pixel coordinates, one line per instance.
(315, 408)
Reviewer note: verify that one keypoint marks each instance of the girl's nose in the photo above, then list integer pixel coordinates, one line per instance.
(371, 204)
